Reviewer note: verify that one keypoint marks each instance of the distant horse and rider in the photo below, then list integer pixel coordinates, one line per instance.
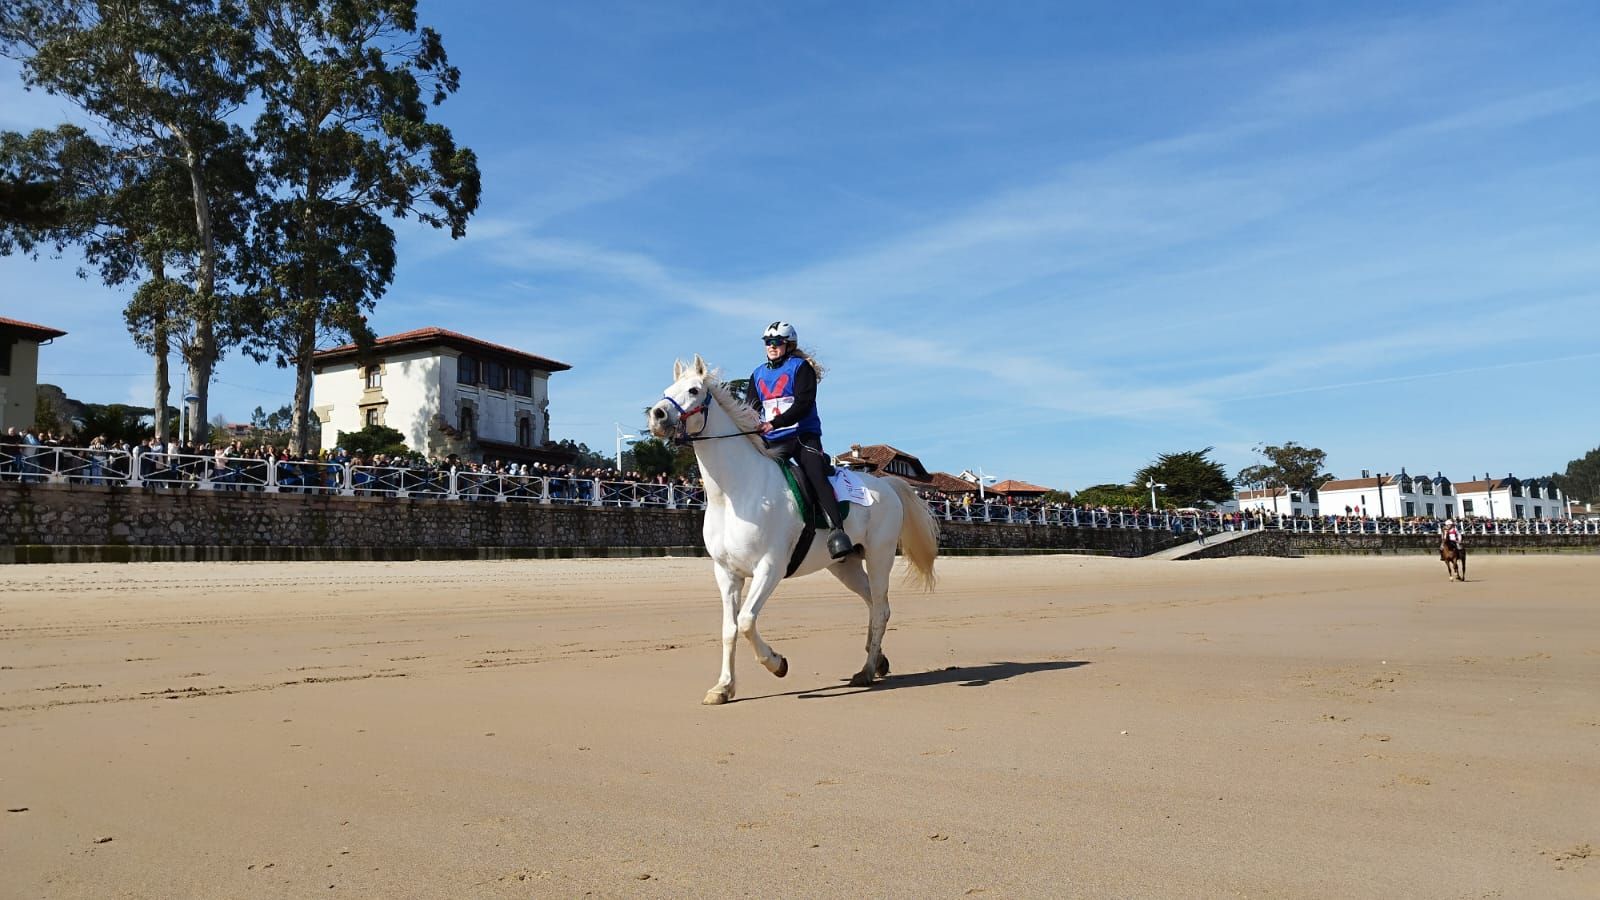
(1452, 551)
(756, 529)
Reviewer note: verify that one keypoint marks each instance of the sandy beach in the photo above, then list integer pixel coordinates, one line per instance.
(1054, 726)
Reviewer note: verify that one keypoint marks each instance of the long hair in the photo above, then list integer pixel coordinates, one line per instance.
(807, 355)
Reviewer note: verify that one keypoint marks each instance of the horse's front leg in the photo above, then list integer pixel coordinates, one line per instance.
(762, 584)
(730, 585)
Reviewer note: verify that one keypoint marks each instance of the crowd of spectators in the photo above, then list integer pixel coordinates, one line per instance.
(33, 456)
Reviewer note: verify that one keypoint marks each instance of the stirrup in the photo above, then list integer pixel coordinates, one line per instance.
(839, 544)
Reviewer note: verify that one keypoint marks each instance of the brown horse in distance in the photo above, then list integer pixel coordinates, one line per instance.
(1455, 559)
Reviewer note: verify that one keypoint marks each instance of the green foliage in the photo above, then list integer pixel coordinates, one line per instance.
(1581, 481)
(1054, 496)
(163, 184)
(653, 456)
(116, 422)
(1110, 495)
(344, 139)
(1190, 476)
(46, 417)
(278, 420)
(1290, 465)
(585, 458)
(374, 439)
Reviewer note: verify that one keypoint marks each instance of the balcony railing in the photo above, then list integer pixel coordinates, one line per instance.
(178, 471)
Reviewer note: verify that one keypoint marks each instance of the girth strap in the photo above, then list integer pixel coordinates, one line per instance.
(801, 548)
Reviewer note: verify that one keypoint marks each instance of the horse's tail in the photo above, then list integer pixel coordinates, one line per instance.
(919, 534)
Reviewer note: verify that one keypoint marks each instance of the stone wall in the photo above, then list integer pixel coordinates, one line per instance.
(67, 523)
(1282, 543)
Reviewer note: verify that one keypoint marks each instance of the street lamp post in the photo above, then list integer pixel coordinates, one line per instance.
(183, 415)
(1153, 485)
(982, 478)
(621, 437)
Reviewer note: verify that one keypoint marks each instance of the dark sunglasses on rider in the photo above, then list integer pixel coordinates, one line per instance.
(774, 341)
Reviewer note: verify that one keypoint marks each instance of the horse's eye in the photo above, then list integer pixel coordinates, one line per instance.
(694, 392)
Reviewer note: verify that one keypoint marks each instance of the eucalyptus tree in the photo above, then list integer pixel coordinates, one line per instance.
(160, 78)
(346, 144)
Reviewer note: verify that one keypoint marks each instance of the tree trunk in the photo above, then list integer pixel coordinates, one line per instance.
(202, 357)
(161, 348)
(305, 346)
(163, 383)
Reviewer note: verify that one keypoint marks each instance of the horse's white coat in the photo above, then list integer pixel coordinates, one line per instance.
(752, 524)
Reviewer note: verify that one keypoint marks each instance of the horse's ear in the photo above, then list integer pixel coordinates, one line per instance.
(677, 369)
(699, 365)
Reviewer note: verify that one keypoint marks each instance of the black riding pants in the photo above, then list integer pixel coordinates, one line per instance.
(806, 449)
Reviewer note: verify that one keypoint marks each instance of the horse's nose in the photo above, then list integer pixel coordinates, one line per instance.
(658, 413)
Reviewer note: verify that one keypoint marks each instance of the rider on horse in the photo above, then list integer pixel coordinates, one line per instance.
(1452, 534)
(785, 392)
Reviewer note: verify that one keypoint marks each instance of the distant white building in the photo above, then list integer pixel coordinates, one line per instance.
(1390, 495)
(444, 391)
(1513, 498)
(1404, 495)
(1278, 501)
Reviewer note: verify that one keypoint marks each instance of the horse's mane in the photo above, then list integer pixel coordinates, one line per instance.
(744, 418)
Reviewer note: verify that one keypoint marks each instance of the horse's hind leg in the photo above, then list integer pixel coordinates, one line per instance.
(730, 585)
(879, 566)
(853, 575)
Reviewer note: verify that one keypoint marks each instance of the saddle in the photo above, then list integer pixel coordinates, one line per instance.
(810, 513)
(811, 516)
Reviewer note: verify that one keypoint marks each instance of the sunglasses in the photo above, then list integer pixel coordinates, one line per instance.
(774, 341)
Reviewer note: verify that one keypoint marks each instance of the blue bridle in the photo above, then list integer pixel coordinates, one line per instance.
(683, 436)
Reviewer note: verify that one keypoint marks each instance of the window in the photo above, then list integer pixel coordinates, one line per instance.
(1430, 510)
(1538, 511)
(1444, 488)
(1519, 510)
(372, 416)
(466, 370)
(1449, 510)
(468, 422)
(5, 355)
(494, 375)
(522, 382)
(1533, 491)
(1466, 507)
(1427, 487)
(374, 378)
(1516, 490)
(525, 432)
(1411, 508)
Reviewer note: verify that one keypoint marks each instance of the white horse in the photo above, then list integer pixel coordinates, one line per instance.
(752, 523)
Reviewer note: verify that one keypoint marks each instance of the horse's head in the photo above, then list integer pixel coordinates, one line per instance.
(681, 411)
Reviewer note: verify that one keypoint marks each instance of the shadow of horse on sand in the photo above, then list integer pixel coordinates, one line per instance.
(964, 676)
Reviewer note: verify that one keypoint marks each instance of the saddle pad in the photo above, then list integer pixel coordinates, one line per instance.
(811, 516)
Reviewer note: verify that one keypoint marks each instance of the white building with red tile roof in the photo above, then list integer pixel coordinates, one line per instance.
(443, 390)
(19, 370)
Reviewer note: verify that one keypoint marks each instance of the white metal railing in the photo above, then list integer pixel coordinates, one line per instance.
(174, 471)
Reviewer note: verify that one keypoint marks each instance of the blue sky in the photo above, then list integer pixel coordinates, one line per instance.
(1045, 240)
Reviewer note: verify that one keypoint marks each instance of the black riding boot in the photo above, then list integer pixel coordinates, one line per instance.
(813, 465)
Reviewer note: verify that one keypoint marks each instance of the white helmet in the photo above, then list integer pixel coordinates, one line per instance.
(780, 330)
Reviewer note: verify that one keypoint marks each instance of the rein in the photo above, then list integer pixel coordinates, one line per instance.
(683, 438)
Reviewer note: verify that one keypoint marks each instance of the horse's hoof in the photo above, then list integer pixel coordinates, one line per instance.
(883, 665)
(783, 667)
(861, 679)
(716, 697)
